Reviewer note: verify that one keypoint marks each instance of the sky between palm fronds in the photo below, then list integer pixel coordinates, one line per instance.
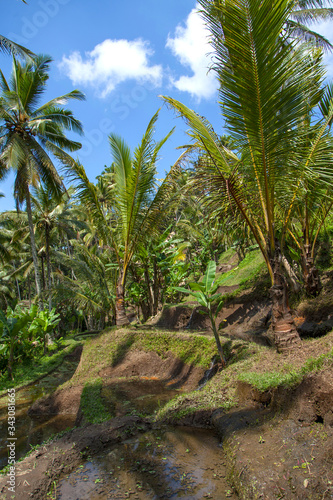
(122, 55)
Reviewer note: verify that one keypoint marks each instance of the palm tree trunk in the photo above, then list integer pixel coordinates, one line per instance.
(48, 265)
(285, 334)
(33, 249)
(311, 276)
(11, 360)
(149, 291)
(121, 318)
(42, 271)
(156, 288)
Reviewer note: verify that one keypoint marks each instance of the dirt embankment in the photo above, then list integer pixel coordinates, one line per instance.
(36, 474)
(279, 444)
(170, 371)
(244, 320)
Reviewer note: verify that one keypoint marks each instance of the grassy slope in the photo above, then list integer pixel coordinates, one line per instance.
(109, 348)
(27, 373)
(260, 367)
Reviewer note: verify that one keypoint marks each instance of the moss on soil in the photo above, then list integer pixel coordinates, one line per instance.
(92, 403)
(252, 265)
(29, 373)
(261, 367)
(110, 348)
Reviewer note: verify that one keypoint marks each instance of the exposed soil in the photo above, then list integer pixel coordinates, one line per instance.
(36, 473)
(286, 455)
(245, 320)
(278, 443)
(170, 371)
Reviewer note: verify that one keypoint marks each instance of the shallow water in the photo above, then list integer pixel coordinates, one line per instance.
(31, 431)
(167, 463)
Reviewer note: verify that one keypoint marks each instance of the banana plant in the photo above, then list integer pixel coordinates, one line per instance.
(12, 328)
(43, 324)
(204, 292)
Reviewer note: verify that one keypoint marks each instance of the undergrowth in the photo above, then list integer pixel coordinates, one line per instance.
(92, 404)
(29, 372)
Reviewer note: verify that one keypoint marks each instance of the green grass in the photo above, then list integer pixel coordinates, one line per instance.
(26, 373)
(226, 256)
(288, 378)
(249, 268)
(92, 403)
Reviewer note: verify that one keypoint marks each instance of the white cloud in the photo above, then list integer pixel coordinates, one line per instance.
(190, 45)
(112, 62)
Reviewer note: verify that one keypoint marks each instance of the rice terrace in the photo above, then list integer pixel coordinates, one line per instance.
(166, 250)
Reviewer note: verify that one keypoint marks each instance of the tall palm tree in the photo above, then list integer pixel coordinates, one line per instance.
(29, 134)
(268, 89)
(137, 204)
(55, 219)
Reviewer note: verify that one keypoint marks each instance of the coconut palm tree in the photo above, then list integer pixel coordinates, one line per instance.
(9, 47)
(269, 88)
(31, 136)
(305, 13)
(137, 205)
(54, 219)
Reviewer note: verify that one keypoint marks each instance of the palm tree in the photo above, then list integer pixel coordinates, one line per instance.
(9, 47)
(55, 219)
(306, 13)
(87, 282)
(268, 89)
(137, 205)
(29, 133)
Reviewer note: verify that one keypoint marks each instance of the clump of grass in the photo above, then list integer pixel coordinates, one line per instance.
(28, 372)
(286, 378)
(92, 404)
(247, 269)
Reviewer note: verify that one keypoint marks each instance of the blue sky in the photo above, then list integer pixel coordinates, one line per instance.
(122, 55)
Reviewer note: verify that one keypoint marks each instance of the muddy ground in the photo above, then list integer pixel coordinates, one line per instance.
(278, 444)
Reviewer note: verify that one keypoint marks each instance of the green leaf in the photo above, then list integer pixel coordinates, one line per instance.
(181, 289)
(201, 298)
(197, 286)
(219, 307)
(209, 275)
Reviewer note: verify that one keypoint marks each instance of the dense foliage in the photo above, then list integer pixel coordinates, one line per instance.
(101, 253)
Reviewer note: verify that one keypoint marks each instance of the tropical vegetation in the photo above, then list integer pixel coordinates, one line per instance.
(79, 255)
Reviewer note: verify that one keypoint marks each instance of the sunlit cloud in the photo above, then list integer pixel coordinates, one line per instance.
(190, 45)
(111, 63)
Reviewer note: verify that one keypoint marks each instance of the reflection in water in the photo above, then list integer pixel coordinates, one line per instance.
(169, 463)
(30, 431)
(161, 464)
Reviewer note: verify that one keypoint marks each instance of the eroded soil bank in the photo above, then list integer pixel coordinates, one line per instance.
(273, 412)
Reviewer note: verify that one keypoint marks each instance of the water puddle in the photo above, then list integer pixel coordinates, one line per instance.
(142, 396)
(167, 463)
(30, 431)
